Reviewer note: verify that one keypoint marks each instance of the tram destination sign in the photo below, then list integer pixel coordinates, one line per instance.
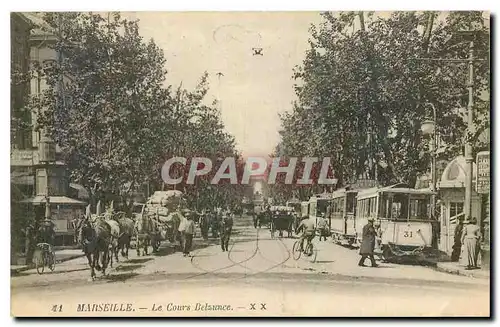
(483, 172)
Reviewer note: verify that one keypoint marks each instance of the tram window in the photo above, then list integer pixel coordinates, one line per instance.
(341, 206)
(385, 206)
(351, 202)
(321, 208)
(373, 206)
(312, 209)
(419, 209)
(399, 208)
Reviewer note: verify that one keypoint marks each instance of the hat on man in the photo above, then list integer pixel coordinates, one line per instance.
(371, 219)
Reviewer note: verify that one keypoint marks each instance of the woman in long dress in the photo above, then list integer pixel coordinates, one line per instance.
(470, 240)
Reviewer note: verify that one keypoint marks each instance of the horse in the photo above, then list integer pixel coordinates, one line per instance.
(144, 228)
(95, 238)
(127, 228)
(114, 244)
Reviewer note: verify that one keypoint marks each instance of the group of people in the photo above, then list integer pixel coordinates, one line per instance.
(222, 224)
(466, 247)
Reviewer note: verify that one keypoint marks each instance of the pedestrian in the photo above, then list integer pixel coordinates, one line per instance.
(30, 239)
(368, 244)
(225, 233)
(188, 234)
(323, 228)
(181, 229)
(204, 221)
(470, 240)
(457, 240)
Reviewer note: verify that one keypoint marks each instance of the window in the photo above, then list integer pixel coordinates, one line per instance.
(351, 201)
(322, 206)
(399, 208)
(341, 206)
(419, 209)
(456, 208)
(312, 209)
(373, 207)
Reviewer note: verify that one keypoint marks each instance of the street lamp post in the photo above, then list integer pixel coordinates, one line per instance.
(470, 116)
(428, 127)
(468, 145)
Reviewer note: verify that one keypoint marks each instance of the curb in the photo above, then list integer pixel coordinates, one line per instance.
(24, 268)
(461, 272)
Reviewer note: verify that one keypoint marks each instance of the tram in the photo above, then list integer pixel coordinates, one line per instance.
(342, 215)
(403, 217)
(318, 207)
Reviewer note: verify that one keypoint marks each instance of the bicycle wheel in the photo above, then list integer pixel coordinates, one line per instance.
(39, 264)
(52, 261)
(297, 252)
(312, 252)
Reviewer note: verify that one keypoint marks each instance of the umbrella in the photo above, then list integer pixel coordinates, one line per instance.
(87, 212)
(47, 208)
(98, 210)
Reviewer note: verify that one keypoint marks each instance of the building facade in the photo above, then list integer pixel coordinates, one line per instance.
(37, 170)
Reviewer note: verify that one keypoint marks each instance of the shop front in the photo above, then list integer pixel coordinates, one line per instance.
(63, 211)
(451, 189)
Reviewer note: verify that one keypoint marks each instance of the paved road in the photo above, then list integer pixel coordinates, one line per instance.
(256, 270)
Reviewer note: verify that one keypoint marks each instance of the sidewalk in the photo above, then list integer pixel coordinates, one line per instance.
(61, 256)
(336, 259)
(455, 268)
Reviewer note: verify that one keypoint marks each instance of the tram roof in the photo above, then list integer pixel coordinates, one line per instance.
(398, 188)
(342, 192)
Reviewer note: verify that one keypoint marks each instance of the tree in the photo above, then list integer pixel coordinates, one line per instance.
(362, 94)
(107, 108)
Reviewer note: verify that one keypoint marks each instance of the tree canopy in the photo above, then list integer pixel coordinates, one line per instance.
(108, 108)
(363, 91)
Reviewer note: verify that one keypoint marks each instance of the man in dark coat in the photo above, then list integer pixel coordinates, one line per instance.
(368, 244)
(225, 231)
(457, 240)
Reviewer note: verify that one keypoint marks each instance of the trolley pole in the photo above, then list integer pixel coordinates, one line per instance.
(468, 145)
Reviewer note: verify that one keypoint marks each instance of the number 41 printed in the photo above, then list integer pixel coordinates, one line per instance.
(57, 308)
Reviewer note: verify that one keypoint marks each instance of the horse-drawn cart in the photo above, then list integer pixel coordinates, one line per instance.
(159, 220)
(281, 220)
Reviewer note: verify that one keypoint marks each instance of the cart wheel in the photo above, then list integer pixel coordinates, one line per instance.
(39, 264)
(52, 261)
(296, 250)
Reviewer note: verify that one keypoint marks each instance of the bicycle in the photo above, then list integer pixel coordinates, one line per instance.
(44, 256)
(310, 251)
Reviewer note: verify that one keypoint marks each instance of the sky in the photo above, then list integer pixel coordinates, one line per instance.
(253, 89)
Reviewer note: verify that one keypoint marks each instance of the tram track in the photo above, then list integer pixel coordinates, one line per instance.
(233, 264)
(256, 251)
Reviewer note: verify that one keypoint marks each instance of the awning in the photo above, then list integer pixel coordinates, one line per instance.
(40, 199)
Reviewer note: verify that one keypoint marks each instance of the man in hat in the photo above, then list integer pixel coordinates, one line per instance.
(225, 231)
(46, 232)
(368, 244)
(187, 233)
